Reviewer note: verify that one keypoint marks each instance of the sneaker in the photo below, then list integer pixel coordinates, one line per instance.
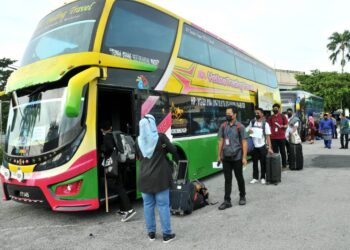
(263, 181)
(120, 212)
(242, 201)
(152, 236)
(128, 215)
(254, 181)
(225, 204)
(168, 238)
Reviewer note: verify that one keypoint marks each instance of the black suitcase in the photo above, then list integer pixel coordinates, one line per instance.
(296, 158)
(182, 192)
(273, 168)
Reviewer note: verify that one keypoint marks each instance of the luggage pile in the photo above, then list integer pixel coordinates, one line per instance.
(186, 196)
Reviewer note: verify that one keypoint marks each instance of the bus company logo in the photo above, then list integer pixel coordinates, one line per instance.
(142, 82)
(84, 8)
(226, 81)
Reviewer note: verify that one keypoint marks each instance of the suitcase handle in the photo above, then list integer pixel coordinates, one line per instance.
(182, 164)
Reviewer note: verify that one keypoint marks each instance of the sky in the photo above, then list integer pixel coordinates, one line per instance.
(284, 34)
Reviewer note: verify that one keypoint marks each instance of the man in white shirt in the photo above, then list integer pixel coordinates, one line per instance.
(260, 131)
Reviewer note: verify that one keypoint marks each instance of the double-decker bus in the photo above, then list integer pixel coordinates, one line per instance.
(303, 104)
(94, 60)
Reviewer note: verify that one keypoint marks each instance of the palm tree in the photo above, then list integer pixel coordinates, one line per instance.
(339, 43)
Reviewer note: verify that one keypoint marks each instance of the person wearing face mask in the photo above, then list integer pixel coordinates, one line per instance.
(260, 131)
(326, 129)
(278, 124)
(232, 152)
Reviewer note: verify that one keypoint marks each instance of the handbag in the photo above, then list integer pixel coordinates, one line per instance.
(294, 138)
(111, 164)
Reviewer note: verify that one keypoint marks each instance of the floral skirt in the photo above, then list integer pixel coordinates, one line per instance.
(327, 134)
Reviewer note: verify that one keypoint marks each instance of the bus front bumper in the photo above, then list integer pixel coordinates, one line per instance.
(38, 191)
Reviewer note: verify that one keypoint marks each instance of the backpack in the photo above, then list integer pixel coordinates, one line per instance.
(238, 126)
(252, 122)
(125, 145)
(201, 195)
(270, 120)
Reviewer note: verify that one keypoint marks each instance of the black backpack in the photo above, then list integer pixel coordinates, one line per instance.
(201, 195)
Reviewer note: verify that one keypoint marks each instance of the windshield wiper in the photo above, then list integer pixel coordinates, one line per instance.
(15, 102)
(39, 89)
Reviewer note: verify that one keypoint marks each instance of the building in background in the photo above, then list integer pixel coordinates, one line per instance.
(286, 78)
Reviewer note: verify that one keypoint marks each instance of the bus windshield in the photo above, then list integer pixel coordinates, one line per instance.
(37, 123)
(288, 101)
(69, 29)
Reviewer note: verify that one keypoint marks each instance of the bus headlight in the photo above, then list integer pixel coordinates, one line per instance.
(19, 175)
(7, 173)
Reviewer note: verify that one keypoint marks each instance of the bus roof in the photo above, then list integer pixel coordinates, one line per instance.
(299, 93)
(192, 24)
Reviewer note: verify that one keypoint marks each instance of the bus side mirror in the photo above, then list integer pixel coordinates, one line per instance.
(75, 90)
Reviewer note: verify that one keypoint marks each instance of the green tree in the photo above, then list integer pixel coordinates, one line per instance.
(5, 71)
(332, 86)
(339, 44)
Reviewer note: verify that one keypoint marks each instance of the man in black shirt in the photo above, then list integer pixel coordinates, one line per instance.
(232, 153)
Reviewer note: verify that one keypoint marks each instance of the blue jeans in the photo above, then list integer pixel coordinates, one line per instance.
(160, 199)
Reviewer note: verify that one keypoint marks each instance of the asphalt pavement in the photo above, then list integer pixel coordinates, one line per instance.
(308, 210)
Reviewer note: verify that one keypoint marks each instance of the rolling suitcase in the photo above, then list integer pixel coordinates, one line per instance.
(273, 168)
(182, 192)
(296, 158)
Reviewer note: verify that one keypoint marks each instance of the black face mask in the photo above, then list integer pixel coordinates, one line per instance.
(275, 111)
(289, 115)
(229, 118)
(326, 118)
(257, 116)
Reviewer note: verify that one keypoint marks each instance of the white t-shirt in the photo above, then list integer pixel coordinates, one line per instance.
(260, 142)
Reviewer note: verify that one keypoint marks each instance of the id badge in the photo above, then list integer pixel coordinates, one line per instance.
(227, 141)
(276, 129)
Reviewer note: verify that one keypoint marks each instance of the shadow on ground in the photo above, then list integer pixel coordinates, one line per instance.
(331, 161)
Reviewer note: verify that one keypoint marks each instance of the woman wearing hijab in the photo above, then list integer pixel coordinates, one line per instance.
(155, 176)
(311, 125)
